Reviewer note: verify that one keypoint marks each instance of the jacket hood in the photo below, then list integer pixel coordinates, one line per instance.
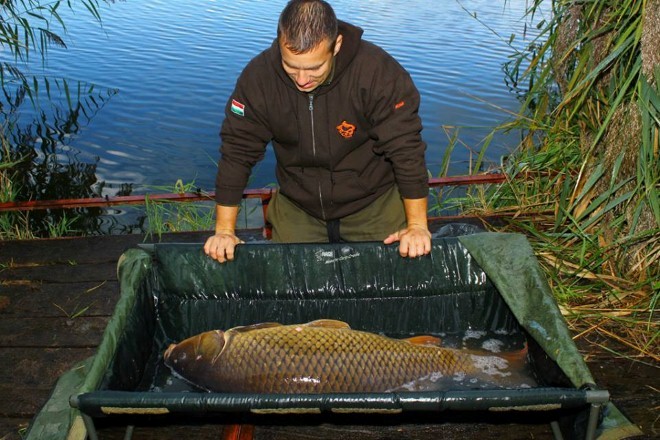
(352, 37)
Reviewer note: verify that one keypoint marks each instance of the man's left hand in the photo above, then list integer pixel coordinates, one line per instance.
(414, 241)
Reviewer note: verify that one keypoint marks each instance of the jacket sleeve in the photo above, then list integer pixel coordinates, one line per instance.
(244, 135)
(396, 128)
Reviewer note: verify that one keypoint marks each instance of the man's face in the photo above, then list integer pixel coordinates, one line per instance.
(311, 69)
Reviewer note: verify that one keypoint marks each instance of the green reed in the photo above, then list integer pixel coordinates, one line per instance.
(167, 216)
(589, 156)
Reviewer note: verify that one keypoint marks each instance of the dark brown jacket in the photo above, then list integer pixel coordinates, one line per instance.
(337, 148)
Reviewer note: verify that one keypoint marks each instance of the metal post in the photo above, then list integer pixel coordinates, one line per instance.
(89, 426)
(129, 432)
(592, 423)
(556, 431)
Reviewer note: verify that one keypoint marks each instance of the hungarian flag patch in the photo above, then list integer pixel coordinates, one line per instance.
(237, 107)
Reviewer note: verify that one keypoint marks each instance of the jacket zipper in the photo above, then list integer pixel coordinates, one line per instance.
(311, 113)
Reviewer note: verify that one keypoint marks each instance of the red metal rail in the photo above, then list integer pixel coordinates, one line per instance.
(262, 193)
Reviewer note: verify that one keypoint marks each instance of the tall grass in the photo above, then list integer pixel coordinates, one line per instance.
(590, 155)
(163, 217)
(168, 216)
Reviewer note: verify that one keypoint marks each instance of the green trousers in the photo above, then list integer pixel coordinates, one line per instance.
(373, 223)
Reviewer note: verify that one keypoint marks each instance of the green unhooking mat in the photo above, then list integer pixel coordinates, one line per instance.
(475, 286)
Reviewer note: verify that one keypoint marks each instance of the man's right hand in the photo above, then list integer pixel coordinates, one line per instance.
(221, 246)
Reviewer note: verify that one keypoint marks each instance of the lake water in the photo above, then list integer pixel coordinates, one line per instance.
(174, 64)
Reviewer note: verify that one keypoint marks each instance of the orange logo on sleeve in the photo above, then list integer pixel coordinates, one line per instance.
(346, 130)
(399, 105)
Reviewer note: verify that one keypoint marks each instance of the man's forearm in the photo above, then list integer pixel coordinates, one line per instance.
(416, 212)
(225, 219)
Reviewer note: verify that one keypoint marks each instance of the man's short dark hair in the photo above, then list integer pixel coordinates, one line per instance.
(304, 24)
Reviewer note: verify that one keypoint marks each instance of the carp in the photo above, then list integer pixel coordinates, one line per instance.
(327, 356)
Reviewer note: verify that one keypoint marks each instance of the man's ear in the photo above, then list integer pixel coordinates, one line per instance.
(338, 42)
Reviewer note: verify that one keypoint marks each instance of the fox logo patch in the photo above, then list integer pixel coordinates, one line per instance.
(346, 130)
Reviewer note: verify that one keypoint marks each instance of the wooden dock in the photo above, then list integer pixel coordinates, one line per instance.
(56, 297)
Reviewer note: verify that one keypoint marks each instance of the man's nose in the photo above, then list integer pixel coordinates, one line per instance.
(302, 78)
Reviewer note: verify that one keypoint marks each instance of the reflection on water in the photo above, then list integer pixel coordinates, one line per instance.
(38, 144)
(169, 67)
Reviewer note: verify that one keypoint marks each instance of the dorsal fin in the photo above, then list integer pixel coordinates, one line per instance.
(328, 323)
(258, 326)
(425, 340)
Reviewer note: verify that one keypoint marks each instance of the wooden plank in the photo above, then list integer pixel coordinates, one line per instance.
(326, 431)
(26, 385)
(13, 428)
(71, 272)
(447, 431)
(80, 332)
(25, 402)
(164, 432)
(62, 250)
(36, 299)
(37, 367)
(91, 250)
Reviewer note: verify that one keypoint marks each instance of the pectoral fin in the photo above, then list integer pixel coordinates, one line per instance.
(516, 359)
(210, 345)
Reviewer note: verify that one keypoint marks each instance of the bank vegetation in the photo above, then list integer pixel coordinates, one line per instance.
(588, 164)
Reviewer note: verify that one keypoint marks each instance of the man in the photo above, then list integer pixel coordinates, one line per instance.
(343, 118)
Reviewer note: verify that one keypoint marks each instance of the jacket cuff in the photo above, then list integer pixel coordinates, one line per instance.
(414, 191)
(228, 197)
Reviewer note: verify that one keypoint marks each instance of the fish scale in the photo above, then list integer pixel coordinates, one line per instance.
(329, 360)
